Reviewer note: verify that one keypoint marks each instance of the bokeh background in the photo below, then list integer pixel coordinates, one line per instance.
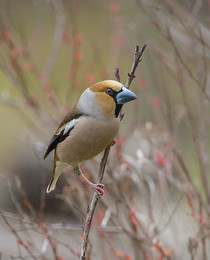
(157, 193)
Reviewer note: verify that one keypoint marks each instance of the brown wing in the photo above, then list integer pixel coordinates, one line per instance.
(74, 114)
(61, 133)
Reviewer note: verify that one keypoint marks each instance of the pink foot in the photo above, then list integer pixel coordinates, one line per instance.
(98, 187)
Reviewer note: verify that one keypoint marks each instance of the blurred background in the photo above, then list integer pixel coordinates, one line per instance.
(157, 188)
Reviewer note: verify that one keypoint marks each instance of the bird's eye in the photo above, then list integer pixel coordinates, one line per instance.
(109, 91)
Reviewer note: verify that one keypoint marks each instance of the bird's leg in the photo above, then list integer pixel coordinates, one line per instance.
(98, 187)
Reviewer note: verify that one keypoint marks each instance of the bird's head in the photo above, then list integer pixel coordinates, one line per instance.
(105, 98)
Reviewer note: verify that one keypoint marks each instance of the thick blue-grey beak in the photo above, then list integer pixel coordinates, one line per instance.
(124, 96)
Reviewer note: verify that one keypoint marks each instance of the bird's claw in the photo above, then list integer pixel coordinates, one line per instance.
(98, 187)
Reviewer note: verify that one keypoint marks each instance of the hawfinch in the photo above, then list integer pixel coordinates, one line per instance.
(88, 129)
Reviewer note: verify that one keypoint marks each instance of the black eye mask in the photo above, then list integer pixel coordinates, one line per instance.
(112, 93)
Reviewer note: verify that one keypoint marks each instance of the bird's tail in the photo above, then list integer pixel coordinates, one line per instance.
(58, 169)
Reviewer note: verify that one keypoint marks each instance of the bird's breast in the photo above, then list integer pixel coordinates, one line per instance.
(89, 137)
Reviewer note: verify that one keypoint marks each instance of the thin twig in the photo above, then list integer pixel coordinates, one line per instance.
(20, 241)
(137, 59)
(91, 209)
(117, 74)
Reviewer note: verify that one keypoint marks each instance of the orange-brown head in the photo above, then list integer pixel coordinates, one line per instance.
(104, 98)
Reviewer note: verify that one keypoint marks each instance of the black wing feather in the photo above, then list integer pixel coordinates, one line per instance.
(56, 139)
(60, 137)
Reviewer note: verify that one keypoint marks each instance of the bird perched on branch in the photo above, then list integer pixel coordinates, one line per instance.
(88, 129)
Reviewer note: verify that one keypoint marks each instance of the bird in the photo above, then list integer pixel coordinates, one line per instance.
(88, 129)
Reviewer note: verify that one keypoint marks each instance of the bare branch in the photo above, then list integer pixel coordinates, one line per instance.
(137, 59)
(17, 236)
(117, 73)
(93, 204)
(91, 209)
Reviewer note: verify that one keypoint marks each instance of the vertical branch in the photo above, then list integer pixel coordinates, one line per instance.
(137, 59)
(93, 204)
(91, 209)
(117, 74)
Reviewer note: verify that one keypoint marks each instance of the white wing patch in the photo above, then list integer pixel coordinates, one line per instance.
(60, 135)
(70, 125)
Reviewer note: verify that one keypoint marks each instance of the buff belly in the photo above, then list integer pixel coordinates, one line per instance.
(89, 137)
